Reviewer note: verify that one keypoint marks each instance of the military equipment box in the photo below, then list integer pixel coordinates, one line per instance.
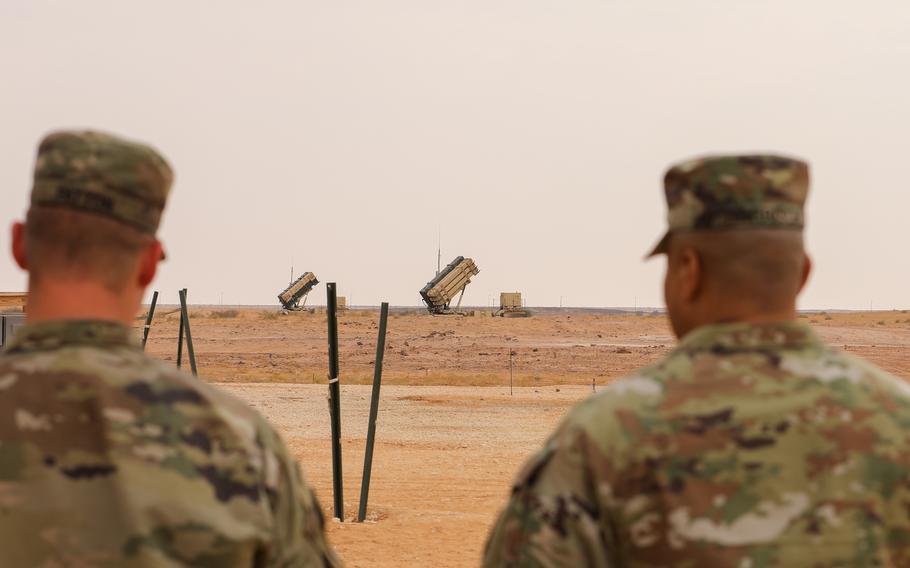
(510, 306)
(509, 300)
(8, 325)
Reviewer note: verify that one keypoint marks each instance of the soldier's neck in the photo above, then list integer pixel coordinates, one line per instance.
(716, 315)
(754, 317)
(80, 300)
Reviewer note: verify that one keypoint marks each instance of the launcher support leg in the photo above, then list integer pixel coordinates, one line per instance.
(458, 305)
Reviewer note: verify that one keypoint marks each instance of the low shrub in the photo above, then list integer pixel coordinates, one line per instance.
(224, 314)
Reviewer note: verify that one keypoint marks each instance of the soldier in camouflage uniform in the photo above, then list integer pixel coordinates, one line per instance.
(752, 444)
(109, 458)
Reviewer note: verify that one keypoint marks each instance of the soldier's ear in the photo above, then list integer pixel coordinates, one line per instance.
(691, 273)
(148, 263)
(18, 245)
(807, 271)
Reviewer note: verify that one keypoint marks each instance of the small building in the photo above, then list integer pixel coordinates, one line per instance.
(9, 322)
(341, 303)
(13, 301)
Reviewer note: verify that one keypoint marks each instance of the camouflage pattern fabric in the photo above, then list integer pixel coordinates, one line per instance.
(102, 174)
(748, 446)
(110, 458)
(735, 192)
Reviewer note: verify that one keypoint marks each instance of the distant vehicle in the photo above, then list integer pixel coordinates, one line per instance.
(292, 296)
(511, 306)
(450, 282)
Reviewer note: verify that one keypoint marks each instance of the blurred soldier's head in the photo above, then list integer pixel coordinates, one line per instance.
(734, 244)
(95, 207)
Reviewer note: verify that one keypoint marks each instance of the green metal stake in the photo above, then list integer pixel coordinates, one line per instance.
(374, 410)
(180, 339)
(510, 370)
(148, 319)
(335, 399)
(185, 319)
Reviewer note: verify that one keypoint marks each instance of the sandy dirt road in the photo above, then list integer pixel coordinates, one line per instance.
(442, 463)
(450, 438)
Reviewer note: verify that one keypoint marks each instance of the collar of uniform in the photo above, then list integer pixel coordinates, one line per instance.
(750, 337)
(62, 333)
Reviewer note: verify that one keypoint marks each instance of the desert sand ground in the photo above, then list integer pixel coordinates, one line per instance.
(450, 435)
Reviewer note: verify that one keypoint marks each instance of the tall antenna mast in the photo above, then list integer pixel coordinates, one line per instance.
(439, 253)
(292, 270)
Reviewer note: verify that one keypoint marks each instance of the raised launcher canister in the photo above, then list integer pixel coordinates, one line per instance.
(297, 291)
(450, 282)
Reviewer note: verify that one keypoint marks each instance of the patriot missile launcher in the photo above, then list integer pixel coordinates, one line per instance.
(450, 282)
(297, 291)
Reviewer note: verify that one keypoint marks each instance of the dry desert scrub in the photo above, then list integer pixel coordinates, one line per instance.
(224, 314)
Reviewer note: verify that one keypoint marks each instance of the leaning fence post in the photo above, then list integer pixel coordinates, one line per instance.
(335, 399)
(180, 339)
(374, 410)
(511, 352)
(148, 319)
(185, 327)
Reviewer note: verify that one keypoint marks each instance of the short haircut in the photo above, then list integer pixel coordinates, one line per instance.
(66, 244)
(763, 267)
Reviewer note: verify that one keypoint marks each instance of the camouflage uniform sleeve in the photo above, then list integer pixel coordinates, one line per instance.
(299, 529)
(553, 517)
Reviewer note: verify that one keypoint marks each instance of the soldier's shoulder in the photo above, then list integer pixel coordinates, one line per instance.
(838, 369)
(243, 418)
(129, 378)
(636, 392)
(169, 374)
(613, 418)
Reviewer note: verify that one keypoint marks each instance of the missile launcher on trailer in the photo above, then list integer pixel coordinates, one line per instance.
(450, 282)
(297, 291)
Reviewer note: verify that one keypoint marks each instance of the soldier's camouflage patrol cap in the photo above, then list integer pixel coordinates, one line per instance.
(102, 174)
(734, 192)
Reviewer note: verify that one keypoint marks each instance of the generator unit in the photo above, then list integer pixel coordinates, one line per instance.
(510, 305)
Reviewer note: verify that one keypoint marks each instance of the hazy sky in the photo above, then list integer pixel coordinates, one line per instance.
(345, 134)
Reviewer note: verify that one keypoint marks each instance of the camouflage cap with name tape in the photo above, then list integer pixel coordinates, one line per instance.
(102, 174)
(734, 192)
